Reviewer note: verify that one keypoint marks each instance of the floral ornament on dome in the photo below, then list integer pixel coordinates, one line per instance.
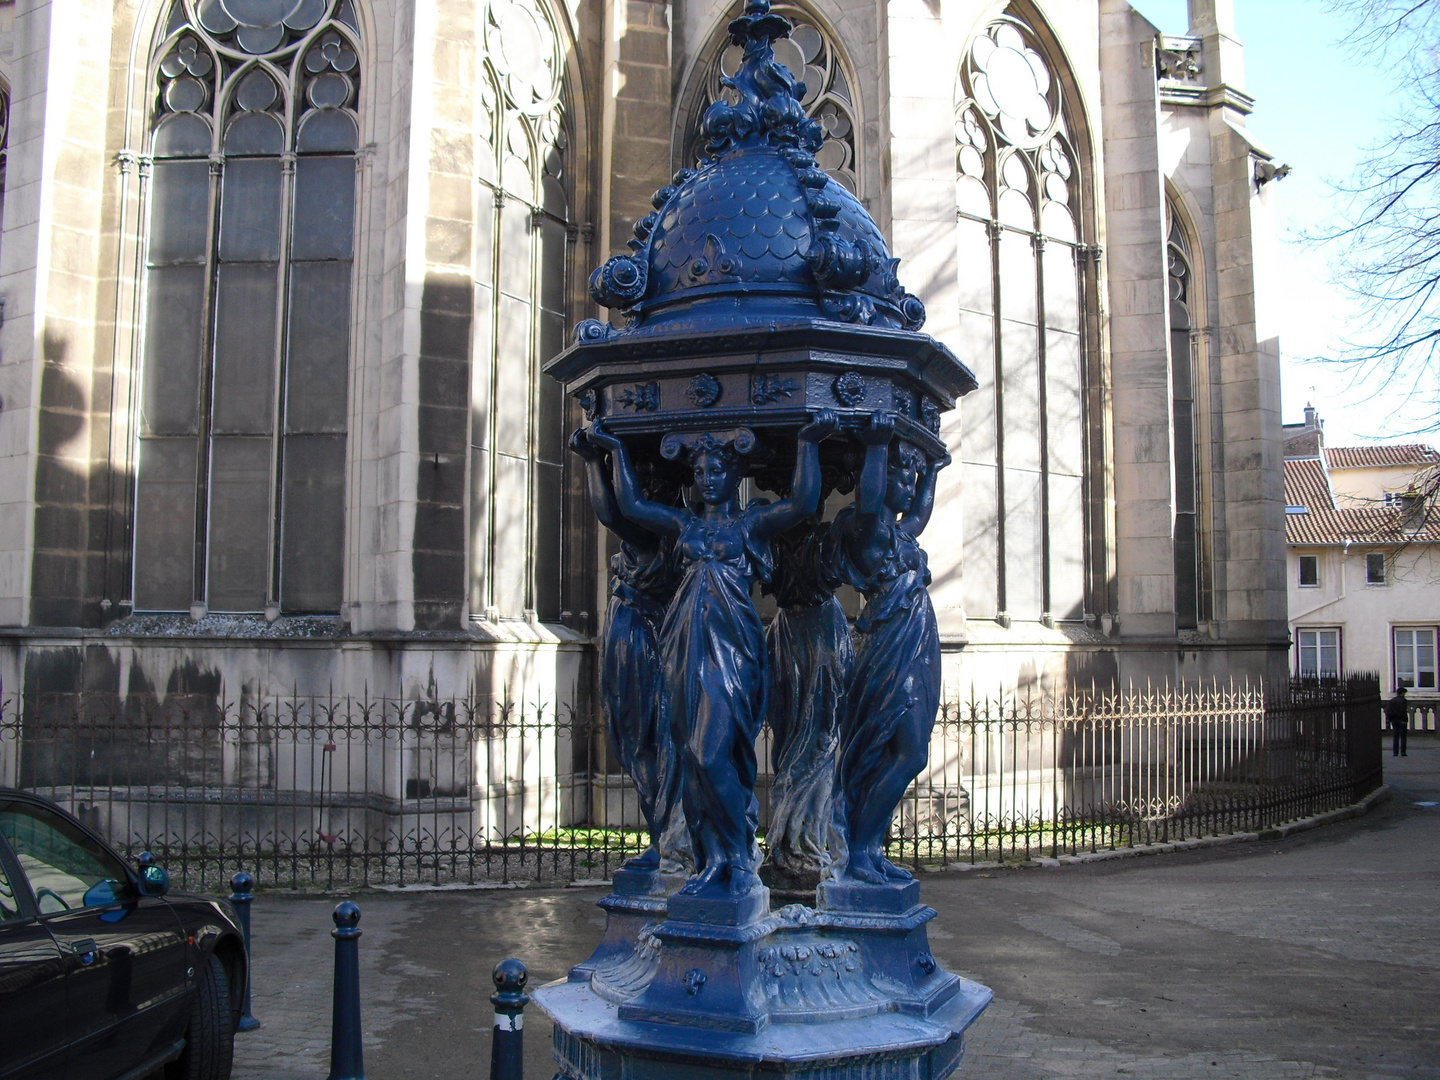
(768, 110)
(822, 85)
(260, 26)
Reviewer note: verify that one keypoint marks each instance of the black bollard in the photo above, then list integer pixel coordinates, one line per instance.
(507, 1049)
(347, 1058)
(240, 885)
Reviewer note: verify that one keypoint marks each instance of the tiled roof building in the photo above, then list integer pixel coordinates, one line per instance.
(1363, 532)
(1311, 517)
(1379, 457)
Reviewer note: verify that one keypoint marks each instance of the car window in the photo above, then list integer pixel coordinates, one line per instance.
(9, 906)
(66, 869)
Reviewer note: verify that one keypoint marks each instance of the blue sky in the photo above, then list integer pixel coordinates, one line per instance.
(1316, 110)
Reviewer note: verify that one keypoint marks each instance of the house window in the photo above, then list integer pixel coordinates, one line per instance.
(1021, 190)
(1415, 658)
(239, 498)
(1375, 568)
(1309, 570)
(1319, 653)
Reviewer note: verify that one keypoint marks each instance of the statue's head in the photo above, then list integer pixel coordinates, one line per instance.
(716, 458)
(902, 476)
(717, 475)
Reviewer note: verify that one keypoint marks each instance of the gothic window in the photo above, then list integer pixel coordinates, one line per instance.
(239, 502)
(1018, 191)
(813, 59)
(1189, 591)
(522, 216)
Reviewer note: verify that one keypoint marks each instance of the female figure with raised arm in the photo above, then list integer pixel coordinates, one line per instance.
(632, 691)
(712, 642)
(895, 690)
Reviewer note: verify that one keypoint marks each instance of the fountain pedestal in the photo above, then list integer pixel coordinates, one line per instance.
(723, 988)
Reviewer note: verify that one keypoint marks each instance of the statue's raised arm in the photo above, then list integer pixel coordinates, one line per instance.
(602, 493)
(805, 486)
(657, 517)
(914, 520)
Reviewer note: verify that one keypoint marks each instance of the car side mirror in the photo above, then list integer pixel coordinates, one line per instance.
(154, 878)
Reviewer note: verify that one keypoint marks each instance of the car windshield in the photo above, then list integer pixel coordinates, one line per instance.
(66, 868)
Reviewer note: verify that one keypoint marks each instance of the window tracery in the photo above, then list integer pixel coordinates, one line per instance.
(1014, 155)
(1190, 593)
(814, 59)
(244, 386)
(523, 233)
(1017, 193)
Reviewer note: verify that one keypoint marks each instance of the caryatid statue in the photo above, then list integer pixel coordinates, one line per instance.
(894, 692)
(758, 295)
(712, 643)
(632, 690)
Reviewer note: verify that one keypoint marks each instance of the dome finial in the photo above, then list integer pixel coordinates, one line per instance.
(768, 110)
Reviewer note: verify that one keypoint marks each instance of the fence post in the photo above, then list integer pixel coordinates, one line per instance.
(347, 1059)
(507, 1058)
(240, 897)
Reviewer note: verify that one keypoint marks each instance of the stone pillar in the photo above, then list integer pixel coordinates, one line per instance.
(1255, 596)
(1213, 21)
(638, 103)
(383, 594)
(445, 130)
(55, 474)
(1139, 347)
(921, 226)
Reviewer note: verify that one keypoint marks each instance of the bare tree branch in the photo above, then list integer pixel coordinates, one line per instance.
(1387, 242)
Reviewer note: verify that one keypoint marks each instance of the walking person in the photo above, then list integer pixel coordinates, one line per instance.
(1397, 715)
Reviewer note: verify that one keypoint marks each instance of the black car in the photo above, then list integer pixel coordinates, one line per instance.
(103, 975)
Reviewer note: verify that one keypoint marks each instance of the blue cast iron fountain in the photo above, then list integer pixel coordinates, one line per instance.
(767, 339)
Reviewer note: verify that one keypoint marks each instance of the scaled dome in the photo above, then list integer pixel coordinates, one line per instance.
(758, 232)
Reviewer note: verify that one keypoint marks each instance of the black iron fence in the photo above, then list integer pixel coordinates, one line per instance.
(322, 792)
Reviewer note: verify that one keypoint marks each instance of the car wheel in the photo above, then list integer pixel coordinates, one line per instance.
(210, 1036)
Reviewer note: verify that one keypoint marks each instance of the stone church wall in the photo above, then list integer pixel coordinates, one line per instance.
(470, 559)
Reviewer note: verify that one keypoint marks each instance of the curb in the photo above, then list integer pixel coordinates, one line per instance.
(1277, 832)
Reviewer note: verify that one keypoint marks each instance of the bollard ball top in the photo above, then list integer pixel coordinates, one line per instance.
(242, 882)
(347, 915)
(510, 976)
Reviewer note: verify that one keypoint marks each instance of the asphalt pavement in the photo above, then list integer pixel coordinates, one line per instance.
(1313, 956)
